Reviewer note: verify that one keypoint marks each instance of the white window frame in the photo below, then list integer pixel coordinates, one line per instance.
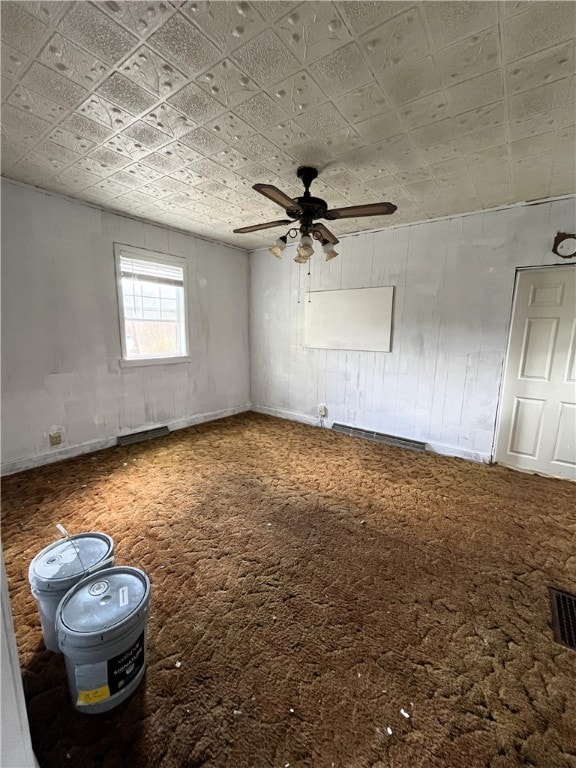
(159, 258)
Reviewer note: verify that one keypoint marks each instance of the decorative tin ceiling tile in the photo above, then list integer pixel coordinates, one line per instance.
(281, 164)
(111, 187)
(162, 162)
(255, 172)
(48, 155)
(297, 93)
(179, 153)
(451, 21)
(168, 120)
(266, 58)
(362, 103)
(542, 99)
(321, 120)
(483, 138)
(533, 145)
(541, 26)
(127, 180)
(312, 30)
(341, 71)
(230, 158)
(362, 16)
(12, 61)
(47, 11)
(37, 105)
(437, 153)
(288, 134)
(71, 141)
(421, 112)
(77, 178)
(146, 134)
(196, 104)
(230, 128)
(260, 112)
(543, 122)
(477, 92)
(274, 9)
(227, 83)
(168, 185)
(204, 141)
(227, 24)
(540, 68)
(343, 140)
(102, 111)
(470, 57)
(434, 133)
(22, 126)
(483, 117)
(73, 62)
(108, 159)
(407, 82)
(21, 30)
(139, 16)
(126, 94)
(380, 127)
(183, 44)
(82, 126)
(92, 165)
(41, 79)
(397, 41)
(127, 147)
(152, 72)
(187, 176)
(311, 153)
(141, 172)
(89, 27)
(256, 147)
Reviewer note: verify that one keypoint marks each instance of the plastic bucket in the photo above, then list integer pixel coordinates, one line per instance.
(60, 566)
(101, 628)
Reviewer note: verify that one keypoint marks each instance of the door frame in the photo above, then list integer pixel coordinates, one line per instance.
(500, 404)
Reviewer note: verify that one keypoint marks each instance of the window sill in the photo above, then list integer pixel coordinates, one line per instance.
(136, 363)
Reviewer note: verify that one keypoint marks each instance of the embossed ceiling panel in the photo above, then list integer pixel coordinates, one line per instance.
(171, 110)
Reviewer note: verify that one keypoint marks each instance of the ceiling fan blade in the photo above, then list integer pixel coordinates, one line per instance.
(267, 225)
(277, 196)
(326, 234)
(353, 211)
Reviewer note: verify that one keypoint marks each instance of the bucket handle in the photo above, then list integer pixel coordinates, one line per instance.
(87, 571)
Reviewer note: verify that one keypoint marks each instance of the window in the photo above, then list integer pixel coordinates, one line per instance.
(152, 302)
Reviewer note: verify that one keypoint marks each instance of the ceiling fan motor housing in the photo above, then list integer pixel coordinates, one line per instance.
(308, 208)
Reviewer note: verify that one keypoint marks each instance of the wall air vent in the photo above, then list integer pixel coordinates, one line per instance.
(140, 437)
(379, 437)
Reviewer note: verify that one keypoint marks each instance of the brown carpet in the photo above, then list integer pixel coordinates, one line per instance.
(313, 586)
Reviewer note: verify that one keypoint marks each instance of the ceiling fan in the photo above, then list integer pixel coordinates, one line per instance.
(303, 211)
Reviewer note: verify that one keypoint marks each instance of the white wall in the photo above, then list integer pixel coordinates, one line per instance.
(453, 282)
(60, 332)
(15, 742)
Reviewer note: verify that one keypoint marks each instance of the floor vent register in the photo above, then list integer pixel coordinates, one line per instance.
(563, 617)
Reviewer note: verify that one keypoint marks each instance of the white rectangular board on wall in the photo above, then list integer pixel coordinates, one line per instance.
(356, 318)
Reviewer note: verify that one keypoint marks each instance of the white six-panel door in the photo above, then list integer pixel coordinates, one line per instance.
(537, 424)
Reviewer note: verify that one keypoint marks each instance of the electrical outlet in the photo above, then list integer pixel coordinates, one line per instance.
(55, 438)
(322, 410)
(351, 415)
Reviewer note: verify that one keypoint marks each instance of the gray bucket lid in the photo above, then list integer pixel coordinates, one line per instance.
(104, 605)
(59, 565)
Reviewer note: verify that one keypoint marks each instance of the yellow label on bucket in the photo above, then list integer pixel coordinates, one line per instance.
(93, 696)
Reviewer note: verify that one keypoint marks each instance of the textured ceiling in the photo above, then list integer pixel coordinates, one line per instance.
(172, 110)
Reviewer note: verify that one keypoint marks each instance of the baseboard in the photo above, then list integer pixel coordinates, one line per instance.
(459, 453)
(440, 448)
(70, 452)
(289, 415)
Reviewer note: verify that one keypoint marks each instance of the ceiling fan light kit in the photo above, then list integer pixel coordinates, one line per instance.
(303, 211)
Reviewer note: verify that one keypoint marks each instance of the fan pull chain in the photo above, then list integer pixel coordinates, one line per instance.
(299, 288)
